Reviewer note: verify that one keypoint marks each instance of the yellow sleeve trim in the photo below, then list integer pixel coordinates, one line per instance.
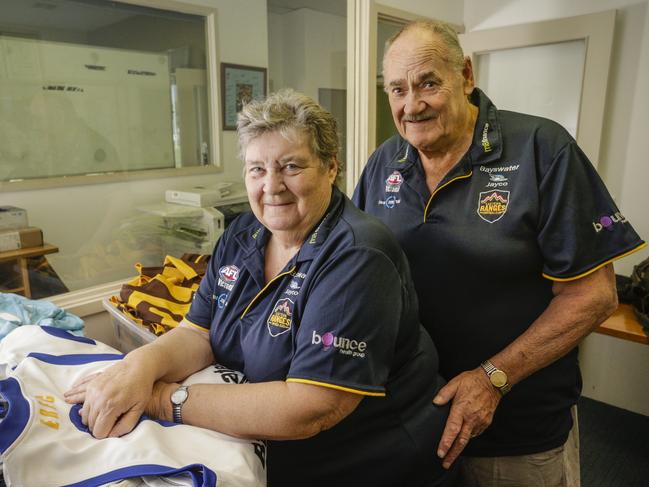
(340, 388)
(566, 279)
(185, 321)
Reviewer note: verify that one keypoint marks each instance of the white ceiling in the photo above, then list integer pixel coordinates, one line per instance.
(335, 7)
(89, 15)
(58, 14)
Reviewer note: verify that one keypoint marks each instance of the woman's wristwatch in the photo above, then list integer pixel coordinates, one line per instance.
(178, 398)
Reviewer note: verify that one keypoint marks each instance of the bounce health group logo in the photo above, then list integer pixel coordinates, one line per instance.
(606, 222)
(345, 346)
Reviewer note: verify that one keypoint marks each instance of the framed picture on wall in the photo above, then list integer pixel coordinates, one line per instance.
(239, 84)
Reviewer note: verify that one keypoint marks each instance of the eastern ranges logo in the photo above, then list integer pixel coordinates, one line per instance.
(281, 317)
(492, 205)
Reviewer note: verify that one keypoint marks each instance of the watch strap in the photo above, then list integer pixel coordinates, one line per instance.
(177, 406)
(488, 367)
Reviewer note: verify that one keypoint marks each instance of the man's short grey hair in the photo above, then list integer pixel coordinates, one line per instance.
(443, 31)
(289, 112)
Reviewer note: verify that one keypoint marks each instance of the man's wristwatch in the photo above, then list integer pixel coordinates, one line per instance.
(497, 377)
(178, 398)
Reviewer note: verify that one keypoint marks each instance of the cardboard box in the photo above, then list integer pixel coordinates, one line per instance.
(12, 217)
(21, 238)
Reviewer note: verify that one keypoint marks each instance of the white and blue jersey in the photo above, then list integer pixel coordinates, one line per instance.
(522, 208)
(38, 339)
(44, 442)
(342, 314)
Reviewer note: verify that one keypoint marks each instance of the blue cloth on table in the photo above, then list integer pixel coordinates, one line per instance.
(17, 310)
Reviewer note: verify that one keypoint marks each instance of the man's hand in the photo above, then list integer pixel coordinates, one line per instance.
(474, 403)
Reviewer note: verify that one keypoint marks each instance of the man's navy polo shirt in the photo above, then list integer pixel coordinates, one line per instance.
(524, 207)
(342, 314)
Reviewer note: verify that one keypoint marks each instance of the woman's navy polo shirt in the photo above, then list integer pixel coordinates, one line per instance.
(523, 207)
(342, 314)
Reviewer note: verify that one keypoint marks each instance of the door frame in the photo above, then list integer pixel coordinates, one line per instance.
(362, 21)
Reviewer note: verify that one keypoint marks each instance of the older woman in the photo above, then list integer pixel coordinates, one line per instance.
(313, 301)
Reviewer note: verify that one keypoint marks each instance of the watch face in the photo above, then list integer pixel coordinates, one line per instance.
(179, 396)
(498, 378)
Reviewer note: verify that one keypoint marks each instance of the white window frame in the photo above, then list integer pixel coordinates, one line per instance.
(596, 30)
(214, 119)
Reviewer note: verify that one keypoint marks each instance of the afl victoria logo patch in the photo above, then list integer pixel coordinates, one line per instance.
(393, 183)
(228, 275)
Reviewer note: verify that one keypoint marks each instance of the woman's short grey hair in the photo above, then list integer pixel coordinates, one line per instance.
(443, 31)
(289, 112)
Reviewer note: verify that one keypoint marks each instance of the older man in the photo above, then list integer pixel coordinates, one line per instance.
(510, 234)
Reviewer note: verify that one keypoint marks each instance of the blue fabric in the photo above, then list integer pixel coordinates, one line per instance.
(17, 311)
(66, 335)
(75, 419)
(13, 424)
(200, 474)
(74, 358)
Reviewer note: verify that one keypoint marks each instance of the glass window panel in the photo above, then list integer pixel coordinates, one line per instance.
(91, 87)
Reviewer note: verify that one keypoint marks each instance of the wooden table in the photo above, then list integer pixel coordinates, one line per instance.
(624, 324)
(21, 256)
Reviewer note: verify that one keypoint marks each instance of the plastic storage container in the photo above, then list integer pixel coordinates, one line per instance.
(129, 334)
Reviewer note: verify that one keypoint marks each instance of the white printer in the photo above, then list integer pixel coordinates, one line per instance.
(201, 196)
(193, 219)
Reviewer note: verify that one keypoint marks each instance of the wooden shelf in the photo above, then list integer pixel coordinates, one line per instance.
(21, 256)
(28, 252)
(624, 324)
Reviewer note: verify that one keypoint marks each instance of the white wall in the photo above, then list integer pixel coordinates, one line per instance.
(276, 55)
(243, 39)
(615, 371)
(82, 221)
(311, 49)
(447, 10)
(633, 192)
(287, 49)
(326, 52)
(487, 14)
